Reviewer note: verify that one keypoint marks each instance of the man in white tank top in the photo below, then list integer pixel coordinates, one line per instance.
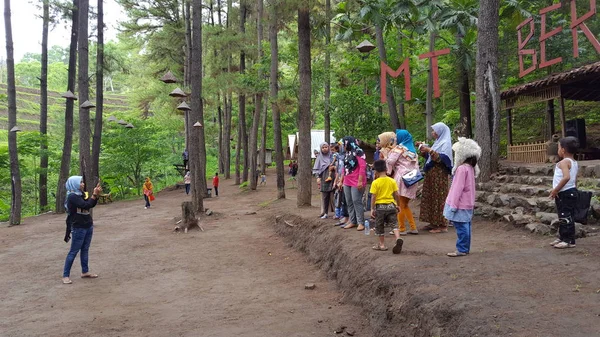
(564, 192)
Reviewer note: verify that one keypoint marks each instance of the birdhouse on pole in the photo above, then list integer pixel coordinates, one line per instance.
(184, 107)
(169, 78)
(69, 95)
(178, 93)
(87, 105)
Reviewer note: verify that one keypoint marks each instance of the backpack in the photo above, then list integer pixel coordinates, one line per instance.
(584, 199)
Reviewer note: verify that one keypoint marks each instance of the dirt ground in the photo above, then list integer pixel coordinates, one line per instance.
(240, 278)
(237, 278)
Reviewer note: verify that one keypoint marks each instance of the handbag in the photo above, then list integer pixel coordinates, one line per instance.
(152, 197)
(412, 177)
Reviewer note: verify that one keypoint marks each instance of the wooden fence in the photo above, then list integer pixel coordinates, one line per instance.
(528, 153)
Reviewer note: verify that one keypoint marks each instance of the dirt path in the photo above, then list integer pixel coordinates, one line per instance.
(239, 278)
(235, 279)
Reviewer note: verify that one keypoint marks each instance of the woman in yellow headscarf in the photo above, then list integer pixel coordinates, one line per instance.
(148, 195)
(386, 141)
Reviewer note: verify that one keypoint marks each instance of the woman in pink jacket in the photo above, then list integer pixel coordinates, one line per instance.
(400, 155)
(461, 198)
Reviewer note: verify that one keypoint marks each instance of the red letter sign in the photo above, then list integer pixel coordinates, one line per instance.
(522, 43)
(579, 23)
(404, 68)
(434, 65)
(545, 36)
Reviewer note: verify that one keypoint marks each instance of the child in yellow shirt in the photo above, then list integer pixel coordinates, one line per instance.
(384, 206)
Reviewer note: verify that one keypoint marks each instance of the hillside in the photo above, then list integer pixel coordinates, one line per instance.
(28, 108)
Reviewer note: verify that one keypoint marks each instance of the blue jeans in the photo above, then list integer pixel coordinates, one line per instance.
(354, 201)
(187, 188)
(81, 238)
(463, 232)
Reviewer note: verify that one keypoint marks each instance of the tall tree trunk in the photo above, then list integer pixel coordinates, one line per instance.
(238, 155)
(401, 107)
(228, 106)
(197, 150)
(304, 72)
(15, 173)
(327, 71)
(220, 140)
(219, 12)
(43, 183)
(263, 139)
(429, 101)
(99, 96)
(258, 105)
(464, 95)
(273, 29)
(487, 104)
(65, 163)
(188, 45)
(242, 97)
(85, 158)
(391, 100)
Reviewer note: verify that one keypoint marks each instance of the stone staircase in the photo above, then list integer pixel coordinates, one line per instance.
(519, 195)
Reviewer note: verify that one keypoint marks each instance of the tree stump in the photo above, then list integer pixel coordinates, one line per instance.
(188, 217)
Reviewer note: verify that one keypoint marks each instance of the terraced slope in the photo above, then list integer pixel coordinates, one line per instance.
(28, 108)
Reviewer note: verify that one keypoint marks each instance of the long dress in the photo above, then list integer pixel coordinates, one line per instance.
(435, 189)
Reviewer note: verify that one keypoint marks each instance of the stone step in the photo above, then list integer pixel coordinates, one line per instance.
(522, 189)
(586, 169)
(530, 205)
(543, 181)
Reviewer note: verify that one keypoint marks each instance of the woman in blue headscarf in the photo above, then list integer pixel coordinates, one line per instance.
(79, 225)
(401, 158)
(438, 169)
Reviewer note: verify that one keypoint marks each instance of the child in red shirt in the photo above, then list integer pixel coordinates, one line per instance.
(216, 183)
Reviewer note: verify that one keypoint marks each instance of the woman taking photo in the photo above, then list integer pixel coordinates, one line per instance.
(80, 226)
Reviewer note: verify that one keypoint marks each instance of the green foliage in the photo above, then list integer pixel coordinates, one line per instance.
(356, 114)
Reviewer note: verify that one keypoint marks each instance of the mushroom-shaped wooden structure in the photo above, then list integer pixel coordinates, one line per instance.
(365, 46)
(122, 122)
(169, 78)
(15, 129)
(177, 93)
(197, 125)
(69, 95)
(184, 107)
(112, 119)
(129, 126)
(87, 105)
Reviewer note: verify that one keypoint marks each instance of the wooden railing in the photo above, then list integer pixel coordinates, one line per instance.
(528, 153)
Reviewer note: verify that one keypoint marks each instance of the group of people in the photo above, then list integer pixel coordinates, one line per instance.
(448, 193)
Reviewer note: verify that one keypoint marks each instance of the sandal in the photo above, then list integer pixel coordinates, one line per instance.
(427, 228)
(398, 247)
(438, 230)
(89, 276)
(377, 247)
(457, 254)
(66, 280)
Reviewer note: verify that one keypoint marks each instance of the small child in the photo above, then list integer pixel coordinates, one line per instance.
(216, 184)
(384, 206)
(332, 169)
(564, 192)
(460, 202)
(263, 179)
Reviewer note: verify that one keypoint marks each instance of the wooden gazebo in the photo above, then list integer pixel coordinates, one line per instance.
(580, 84)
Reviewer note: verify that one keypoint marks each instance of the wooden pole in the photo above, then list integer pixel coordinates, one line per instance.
(550, 115)
(509, 127)
(563, 122)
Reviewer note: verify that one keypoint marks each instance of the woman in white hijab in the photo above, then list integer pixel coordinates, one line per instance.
(438, 169)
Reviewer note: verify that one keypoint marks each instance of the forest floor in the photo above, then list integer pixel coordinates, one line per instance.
(240, 278)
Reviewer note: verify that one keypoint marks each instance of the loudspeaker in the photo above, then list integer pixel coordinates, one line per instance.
(576, 128)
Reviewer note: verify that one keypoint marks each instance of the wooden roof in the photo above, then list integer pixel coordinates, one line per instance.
(581, 84)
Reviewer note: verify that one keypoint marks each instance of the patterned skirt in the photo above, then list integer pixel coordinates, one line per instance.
(435, 190)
